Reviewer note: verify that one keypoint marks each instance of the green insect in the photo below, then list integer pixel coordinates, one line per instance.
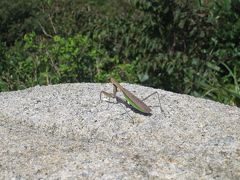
(130, 98)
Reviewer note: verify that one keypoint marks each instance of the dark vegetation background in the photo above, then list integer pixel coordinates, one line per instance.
(182, 46)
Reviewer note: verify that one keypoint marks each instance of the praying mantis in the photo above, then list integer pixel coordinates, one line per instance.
(131, 99)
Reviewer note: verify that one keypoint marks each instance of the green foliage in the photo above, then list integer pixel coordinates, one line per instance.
(36, 60)
(173, 45)
(16, 18)
(165, 42)
(40, 61)
(44, 17)
(224, 89)
(183, 47)
(222, 82)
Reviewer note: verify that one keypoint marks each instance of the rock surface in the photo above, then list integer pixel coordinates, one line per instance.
(63, 131)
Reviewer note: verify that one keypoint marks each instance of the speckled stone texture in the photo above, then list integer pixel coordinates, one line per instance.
(63, 131)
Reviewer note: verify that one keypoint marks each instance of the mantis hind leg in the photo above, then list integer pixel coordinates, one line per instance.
(155, 93)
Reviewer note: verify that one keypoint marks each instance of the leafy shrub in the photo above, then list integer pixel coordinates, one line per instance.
(222, 82)
(17, 18)
(164, 41)
(46, 17)
(189, 48)
(41, 61)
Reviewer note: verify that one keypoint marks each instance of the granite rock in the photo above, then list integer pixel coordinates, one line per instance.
(64, 131)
